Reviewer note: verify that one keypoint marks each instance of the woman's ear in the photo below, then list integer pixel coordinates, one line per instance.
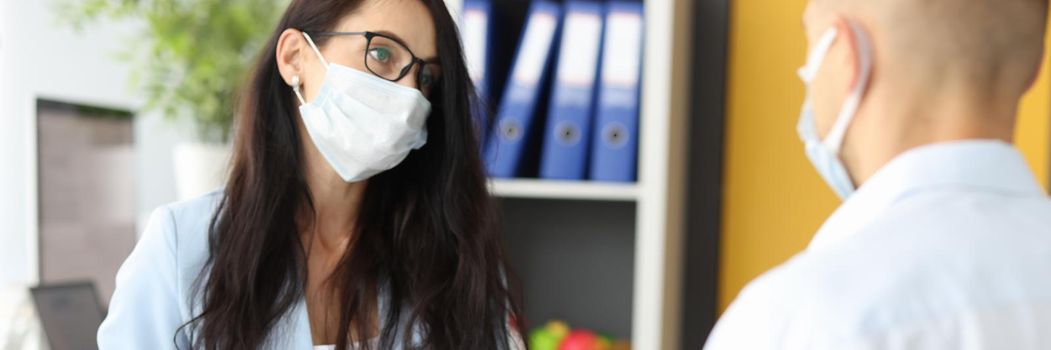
(290, 45)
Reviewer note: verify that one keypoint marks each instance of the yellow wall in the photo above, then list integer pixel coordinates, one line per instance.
(773, 200)
(1034, 126)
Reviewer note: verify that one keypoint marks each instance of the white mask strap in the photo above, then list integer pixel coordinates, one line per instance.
(295, 80)
(817, 56)
(296, 83)
(850, 107)
(318, 52)
(300, 96)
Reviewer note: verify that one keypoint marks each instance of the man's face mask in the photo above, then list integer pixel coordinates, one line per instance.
(824, 153)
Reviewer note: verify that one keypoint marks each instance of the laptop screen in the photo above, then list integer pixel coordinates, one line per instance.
(70, 314)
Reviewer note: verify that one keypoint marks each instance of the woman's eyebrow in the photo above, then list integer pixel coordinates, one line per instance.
(402, 42)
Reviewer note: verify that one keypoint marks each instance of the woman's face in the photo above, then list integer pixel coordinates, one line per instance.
(406, 21)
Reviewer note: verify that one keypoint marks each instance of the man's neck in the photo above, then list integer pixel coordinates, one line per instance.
(888, 129)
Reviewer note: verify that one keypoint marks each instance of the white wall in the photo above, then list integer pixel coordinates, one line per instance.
(42, 58)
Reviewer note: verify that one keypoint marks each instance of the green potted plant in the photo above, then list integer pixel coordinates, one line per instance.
(189, 61)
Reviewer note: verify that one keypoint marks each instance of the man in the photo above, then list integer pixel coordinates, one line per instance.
(944, 238)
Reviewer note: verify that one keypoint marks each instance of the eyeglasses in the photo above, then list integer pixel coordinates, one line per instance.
(390, 59)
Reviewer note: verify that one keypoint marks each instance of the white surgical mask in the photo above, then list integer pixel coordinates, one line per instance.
(824, 154)
(362, 124)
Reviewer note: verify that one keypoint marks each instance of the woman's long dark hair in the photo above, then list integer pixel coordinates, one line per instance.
(426, 229)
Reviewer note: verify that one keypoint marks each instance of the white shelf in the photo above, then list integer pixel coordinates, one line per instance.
(567, 190)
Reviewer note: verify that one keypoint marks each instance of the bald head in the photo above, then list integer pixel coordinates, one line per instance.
(992, 44)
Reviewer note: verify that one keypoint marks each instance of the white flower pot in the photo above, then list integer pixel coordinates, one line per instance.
(200, 168)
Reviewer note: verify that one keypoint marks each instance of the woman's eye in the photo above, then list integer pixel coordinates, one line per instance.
(428, 76)
(380, 54)
(426, 79)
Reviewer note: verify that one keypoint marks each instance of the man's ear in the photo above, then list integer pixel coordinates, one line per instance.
(849, 52)
(290, 45)
(1039, 67)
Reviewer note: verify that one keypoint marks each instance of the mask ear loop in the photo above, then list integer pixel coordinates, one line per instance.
(316, 51)
(295, 88)
(296, 83)
(834, 141)
(815, 58)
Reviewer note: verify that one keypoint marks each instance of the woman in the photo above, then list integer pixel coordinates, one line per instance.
(356, 213)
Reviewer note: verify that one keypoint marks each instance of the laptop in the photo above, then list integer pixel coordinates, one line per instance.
(70, 314)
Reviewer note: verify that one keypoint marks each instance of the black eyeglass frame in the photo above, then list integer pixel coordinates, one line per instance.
(368, 43)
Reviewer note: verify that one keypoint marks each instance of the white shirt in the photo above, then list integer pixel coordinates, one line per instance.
(947, 247)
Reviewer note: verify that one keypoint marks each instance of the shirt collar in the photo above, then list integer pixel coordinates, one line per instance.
(980, 165)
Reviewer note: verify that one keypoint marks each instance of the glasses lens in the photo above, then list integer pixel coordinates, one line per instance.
(428, 77)
(387, 58)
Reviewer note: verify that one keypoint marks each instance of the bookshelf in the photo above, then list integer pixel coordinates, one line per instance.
(564, 190)
(609, 257)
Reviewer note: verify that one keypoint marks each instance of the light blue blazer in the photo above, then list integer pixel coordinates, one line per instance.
(151, 300)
